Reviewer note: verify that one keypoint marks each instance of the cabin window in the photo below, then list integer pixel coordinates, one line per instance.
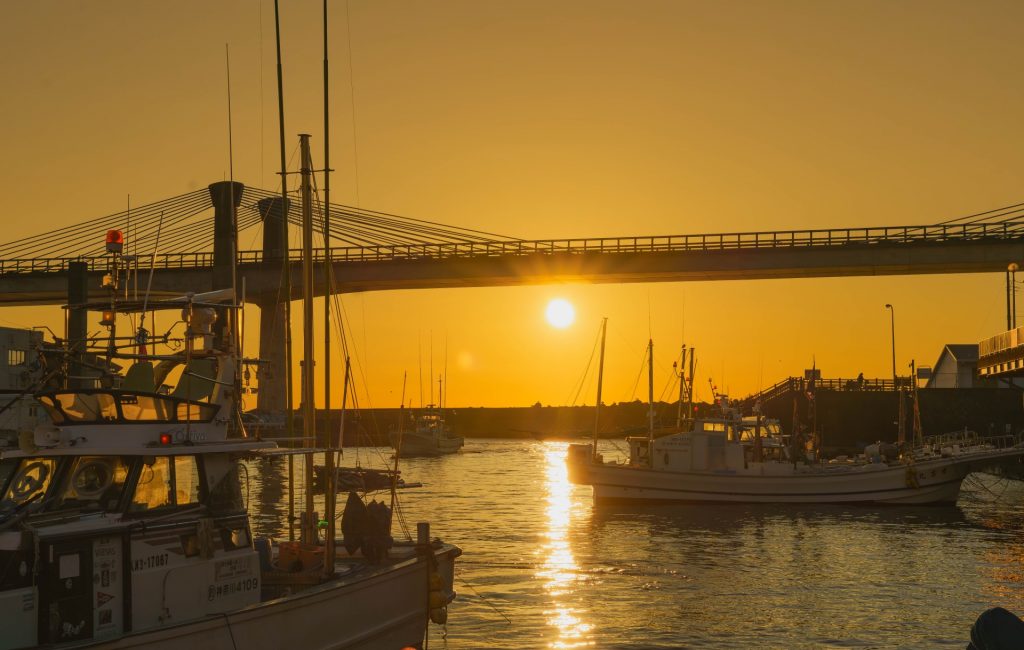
(166, 481)
(224, 484)
(30, 481)
(154, 487)
(15, 357)
(143, 408)
(95, 481)
(186, 480)
(55, 415)
(188, 412)
(87, 407)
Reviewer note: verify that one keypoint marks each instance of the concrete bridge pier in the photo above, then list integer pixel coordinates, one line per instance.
(271, 373)
(225, 196)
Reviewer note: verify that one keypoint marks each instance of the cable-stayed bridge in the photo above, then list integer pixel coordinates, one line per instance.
(187, 243)
(185, 238)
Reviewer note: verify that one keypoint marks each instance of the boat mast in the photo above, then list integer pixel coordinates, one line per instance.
(918, 433)
(650, 401)
(330, 492)
(308, 406)
(689, 388)
(600, 384)
(398, 453)
(327, 252)
(287, 279)
(682, 387)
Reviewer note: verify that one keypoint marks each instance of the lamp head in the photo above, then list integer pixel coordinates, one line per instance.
(888, 306)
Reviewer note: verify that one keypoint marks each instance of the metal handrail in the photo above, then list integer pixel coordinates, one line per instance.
(800, 384)
(829, 238)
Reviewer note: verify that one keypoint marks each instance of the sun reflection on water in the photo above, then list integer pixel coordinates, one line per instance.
(559, 570)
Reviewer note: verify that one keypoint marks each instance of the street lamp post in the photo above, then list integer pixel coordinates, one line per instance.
(1011, 295)
(892, 326)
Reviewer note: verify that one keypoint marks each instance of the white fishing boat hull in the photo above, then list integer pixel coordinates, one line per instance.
(379, 608)
(933, 481)
(418, 445)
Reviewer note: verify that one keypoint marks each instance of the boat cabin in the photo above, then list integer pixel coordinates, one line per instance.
(714, 445)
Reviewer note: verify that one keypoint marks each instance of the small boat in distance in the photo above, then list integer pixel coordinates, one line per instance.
(430, 436)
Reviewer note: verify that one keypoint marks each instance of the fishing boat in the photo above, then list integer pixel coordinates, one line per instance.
(727, 458)
(122, 524)
(430, 436)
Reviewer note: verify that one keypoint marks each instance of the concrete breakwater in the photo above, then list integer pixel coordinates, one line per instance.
(846, 420)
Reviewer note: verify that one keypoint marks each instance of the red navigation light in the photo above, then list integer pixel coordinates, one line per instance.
(166, 438)
(115, 241)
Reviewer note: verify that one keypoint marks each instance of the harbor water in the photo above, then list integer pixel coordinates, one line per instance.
(543, 567)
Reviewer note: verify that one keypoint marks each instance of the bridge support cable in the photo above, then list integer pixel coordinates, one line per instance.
(82, 239)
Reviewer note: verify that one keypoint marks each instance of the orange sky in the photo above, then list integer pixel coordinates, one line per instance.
(555, 119)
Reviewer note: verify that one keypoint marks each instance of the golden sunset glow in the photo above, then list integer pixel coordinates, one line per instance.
(560, 571)
(522, 120)
(560, 313)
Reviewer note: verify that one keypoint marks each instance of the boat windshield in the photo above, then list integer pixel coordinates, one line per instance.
(166, 482)
(94, 482)
(29, 482)
(119, 406)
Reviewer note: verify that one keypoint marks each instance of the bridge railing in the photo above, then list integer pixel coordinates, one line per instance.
(842, 237)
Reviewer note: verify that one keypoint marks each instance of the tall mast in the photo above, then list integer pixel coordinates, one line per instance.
(600, 384)
(682, 387)
(286, 271)
(330, 492)
(689, 388)
(327, 247)
(650, 399)
(308, 406)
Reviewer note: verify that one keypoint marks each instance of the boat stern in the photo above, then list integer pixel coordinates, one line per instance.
(579, 459)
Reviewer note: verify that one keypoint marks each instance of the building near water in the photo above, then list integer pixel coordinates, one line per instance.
(21, 370)
(957, 367)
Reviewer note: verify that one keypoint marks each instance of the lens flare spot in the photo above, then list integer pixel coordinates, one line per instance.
(560, 313)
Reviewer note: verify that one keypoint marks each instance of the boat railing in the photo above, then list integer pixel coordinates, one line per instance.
(969, 438)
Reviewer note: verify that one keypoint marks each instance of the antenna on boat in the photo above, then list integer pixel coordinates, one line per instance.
(398, 453)
(689, 389)
(235, 326)
(330, 491)
(600, 384)
(327, 250)
(141, 334)
(918, 433)
(681, 375)
(287, 278)
(650, 401)
(308, 405)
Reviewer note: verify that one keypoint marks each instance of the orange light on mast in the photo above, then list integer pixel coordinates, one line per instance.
(115, 241)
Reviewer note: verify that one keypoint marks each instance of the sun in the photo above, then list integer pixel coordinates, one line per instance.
(560, 313)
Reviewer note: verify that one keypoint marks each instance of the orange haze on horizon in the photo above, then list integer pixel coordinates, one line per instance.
(553, 119)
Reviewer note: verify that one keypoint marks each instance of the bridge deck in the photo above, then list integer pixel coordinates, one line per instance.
(741, 241)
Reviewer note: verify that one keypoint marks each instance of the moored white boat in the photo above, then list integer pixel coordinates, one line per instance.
(430, 436)
(123, 525)
(736, 460)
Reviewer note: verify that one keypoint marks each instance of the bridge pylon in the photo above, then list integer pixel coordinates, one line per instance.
(271, 374)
